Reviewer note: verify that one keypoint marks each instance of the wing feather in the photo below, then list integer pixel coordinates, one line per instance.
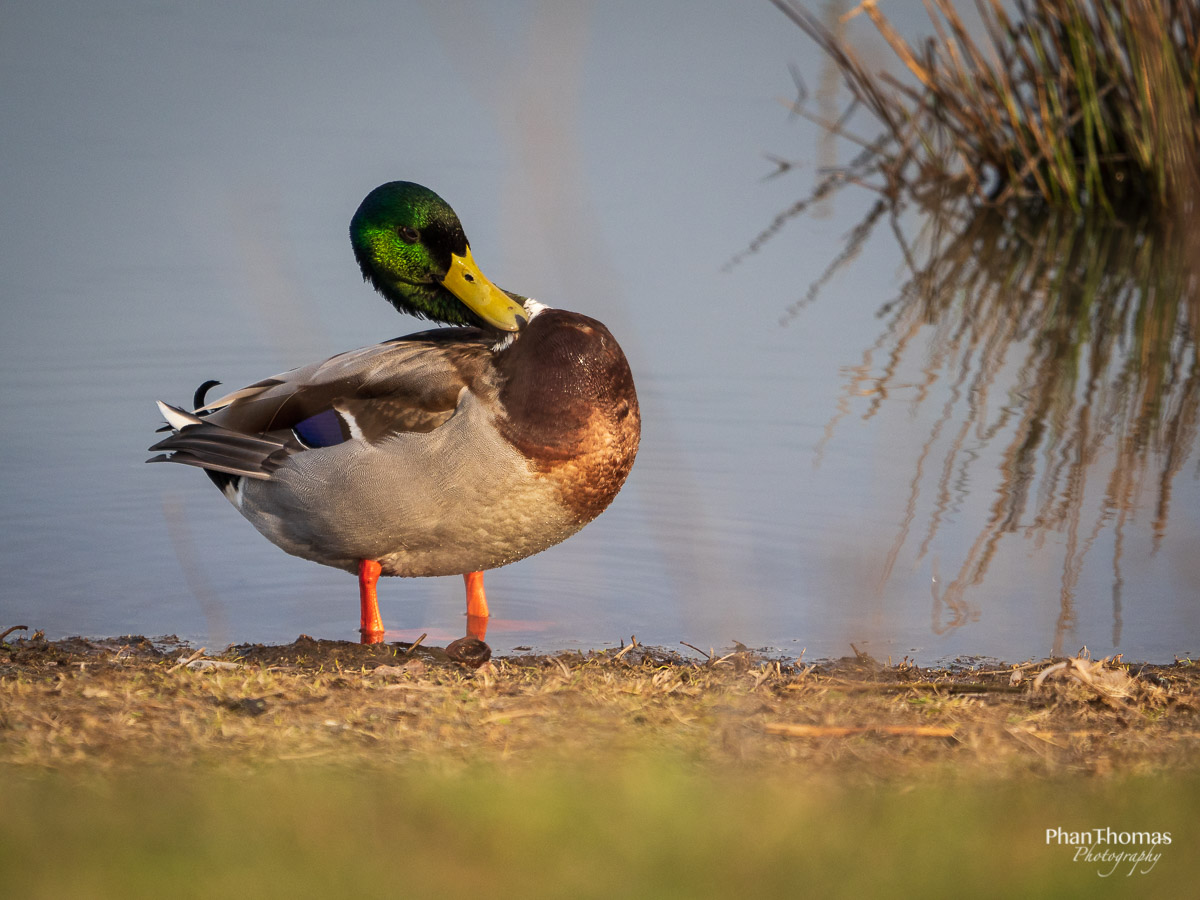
(412, 383)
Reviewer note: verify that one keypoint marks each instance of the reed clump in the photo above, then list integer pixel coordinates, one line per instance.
(1052, 155)
(1087, 105)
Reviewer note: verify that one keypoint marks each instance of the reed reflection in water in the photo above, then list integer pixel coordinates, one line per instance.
(1069, 352)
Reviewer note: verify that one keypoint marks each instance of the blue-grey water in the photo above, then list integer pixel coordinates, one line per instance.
(178, 180)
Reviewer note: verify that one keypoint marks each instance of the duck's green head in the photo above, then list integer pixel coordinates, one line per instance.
(411, 247)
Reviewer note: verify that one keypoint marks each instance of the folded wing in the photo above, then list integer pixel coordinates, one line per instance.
(411, 384)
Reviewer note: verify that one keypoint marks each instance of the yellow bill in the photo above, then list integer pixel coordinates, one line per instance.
(466, 282)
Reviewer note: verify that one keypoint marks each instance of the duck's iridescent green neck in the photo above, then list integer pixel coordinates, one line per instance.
(425, 301)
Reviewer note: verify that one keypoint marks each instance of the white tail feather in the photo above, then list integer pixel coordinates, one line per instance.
(177, 418)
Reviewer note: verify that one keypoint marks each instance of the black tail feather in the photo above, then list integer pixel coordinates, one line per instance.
(201, 393)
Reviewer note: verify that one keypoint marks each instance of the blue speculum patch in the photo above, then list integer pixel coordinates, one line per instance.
(322, 430)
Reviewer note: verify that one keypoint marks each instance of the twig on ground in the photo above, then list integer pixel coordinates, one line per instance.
(413, 646)
(8, 631)
(187, 662)
(633, 642)
(789, 729)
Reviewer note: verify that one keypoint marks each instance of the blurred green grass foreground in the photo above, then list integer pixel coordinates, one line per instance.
(650, 827)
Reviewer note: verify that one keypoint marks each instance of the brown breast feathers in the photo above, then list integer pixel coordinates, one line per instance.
(571, 407)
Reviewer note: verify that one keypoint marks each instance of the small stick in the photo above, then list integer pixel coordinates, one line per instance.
(697, 649)
(741, 648)
(414, 645)
(794, 730)
(187, 662)
(1048, 671)
(9, 631)
(862, 657)
(633, 642)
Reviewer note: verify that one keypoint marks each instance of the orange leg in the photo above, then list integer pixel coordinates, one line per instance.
(372, 623)
(477, 607)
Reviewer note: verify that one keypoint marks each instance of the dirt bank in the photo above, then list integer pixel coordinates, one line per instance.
(125, 701)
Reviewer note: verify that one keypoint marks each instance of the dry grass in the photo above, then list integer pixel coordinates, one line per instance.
(121, 704)
(1058, 104)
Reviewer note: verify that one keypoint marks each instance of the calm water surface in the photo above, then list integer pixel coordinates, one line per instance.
(987, 452)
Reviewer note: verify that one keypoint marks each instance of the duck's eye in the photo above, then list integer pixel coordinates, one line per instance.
(408, 234)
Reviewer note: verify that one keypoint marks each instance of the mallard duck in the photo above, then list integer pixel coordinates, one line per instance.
(449, 451)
